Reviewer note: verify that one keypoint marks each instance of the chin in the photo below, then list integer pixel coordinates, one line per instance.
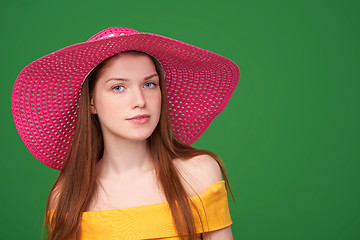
(141, 137)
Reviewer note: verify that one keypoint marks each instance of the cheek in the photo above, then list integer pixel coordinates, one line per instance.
(109, 106)
(157, 101)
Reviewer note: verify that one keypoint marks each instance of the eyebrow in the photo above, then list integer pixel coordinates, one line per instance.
(125, 79)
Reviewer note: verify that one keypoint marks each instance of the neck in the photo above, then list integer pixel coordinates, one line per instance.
(124, 158)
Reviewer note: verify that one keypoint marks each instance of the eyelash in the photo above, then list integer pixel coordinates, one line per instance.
(154, 85)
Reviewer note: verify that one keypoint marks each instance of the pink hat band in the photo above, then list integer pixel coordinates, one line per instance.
(199, 84)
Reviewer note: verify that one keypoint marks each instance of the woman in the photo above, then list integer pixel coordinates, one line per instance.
(128, 105)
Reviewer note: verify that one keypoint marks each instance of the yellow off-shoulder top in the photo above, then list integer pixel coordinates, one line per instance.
(154, 221)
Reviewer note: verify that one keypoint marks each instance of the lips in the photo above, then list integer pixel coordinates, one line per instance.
(139, 116)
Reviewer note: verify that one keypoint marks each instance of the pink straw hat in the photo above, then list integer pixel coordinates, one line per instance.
(199, 84)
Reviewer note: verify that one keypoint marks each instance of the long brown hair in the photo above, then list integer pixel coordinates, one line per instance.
(78, 173)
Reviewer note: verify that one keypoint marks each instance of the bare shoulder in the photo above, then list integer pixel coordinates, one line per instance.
(200, 172)
(223, 233)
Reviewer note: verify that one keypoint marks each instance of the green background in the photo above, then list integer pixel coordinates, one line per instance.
(289, 137)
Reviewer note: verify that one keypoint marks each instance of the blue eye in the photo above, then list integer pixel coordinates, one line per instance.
(117, 88)
(151, 84)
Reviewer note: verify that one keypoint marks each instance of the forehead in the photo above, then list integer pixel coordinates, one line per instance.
(129, 64)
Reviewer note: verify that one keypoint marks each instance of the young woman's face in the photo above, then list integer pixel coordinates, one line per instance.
(128, 86)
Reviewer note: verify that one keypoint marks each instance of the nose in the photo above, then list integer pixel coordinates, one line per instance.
(138, 98)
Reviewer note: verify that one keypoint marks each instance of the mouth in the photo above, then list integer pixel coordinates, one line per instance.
(142, 116)
(140, 119)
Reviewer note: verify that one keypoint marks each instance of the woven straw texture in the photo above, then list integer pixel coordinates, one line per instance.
(199, 84)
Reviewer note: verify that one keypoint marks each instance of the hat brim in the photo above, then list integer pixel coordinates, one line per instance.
(44, 99)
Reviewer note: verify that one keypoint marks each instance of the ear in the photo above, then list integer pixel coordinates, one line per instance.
(92, 106)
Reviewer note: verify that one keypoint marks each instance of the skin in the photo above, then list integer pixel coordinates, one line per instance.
(114, 101)
(221, 234)
(126, 168)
